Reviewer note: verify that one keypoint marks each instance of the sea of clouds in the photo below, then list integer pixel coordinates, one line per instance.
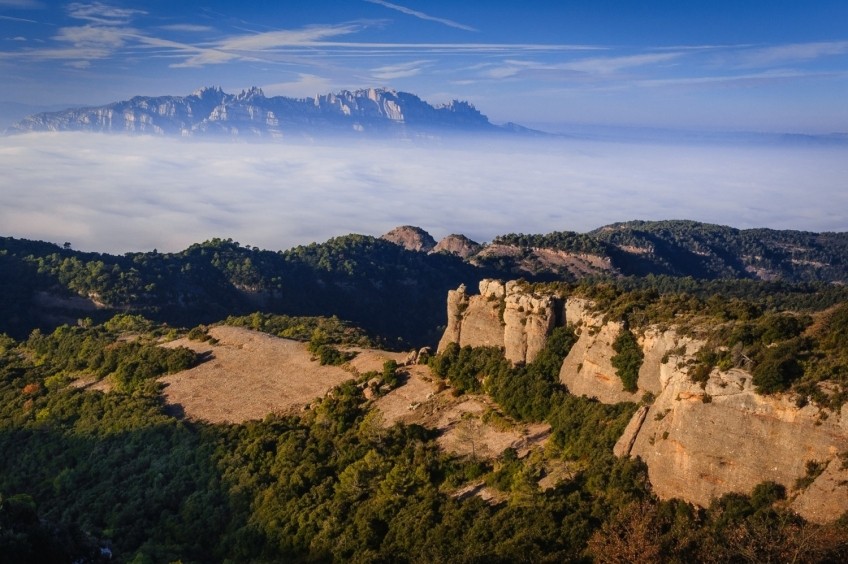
(115, 194)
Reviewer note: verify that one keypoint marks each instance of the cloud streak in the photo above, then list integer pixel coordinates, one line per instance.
(117, 194)
(14, 19)
(422, 15)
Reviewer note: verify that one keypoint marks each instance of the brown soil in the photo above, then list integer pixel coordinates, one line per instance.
(250, 374)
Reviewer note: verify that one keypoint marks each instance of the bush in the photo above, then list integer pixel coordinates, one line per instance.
(778, 367)
(627, 360)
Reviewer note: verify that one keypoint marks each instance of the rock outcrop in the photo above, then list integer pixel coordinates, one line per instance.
(411, 238)
(700, 443)
(458, 245)
(588, 370)
(502, 315)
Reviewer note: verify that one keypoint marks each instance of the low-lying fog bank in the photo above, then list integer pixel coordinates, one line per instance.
(117, 193)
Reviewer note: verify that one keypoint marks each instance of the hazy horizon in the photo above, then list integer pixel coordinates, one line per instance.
(116, 193)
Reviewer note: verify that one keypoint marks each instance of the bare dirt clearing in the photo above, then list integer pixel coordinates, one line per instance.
(460, 419)
(251, 374)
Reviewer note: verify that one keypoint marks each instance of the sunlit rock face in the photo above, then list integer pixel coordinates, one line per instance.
(699, 442)
(502, 315)
(458, 245)
(411, 238)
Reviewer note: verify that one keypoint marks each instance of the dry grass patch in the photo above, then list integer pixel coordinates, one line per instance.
(247, 376)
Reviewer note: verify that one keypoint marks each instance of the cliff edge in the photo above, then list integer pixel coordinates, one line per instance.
(699, 441)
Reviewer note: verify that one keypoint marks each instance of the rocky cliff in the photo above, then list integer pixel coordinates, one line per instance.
(458, 245)
(502, 315)
(699, 442)
(702, 442)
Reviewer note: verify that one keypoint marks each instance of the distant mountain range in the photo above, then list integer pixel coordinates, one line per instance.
(372, 112)
(250, 114)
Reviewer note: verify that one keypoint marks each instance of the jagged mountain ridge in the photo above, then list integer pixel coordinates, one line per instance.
(210, 111)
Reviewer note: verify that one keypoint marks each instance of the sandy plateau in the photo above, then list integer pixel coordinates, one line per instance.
(248, 375)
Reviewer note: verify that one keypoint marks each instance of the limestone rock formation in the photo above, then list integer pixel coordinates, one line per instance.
(588, 370)
(411, 238)
(502, 315)
(528, 320)
(700, 443)
(457, 304)
(458, 245)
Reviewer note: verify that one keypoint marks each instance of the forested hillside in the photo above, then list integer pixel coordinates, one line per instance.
(380, 286)
(388, 290)
(700, 250)
(85, 472)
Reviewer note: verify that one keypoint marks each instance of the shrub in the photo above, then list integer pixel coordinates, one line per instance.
(627, 360)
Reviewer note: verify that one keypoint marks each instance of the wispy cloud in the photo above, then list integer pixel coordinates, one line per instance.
(595, 66)
(422, 15)
(251, 46)
(189, 28)
(609, 65)
(21, 4)
(739, 79)
(14, 19)
(401, 70)
(144, 192)
(792, 53)
(304, 86)
(104, 33)
(99, 13)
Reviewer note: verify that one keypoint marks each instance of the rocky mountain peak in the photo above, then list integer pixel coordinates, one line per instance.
(458, 245)
(206, 91)
(250, 94)
(411, 238)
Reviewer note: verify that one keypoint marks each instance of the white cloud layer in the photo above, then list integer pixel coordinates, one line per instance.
(117, 194)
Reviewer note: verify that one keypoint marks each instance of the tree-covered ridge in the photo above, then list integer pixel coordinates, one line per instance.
(568, 241)
(702, 250)
(358, 278)
(689, 248)
(366, 280)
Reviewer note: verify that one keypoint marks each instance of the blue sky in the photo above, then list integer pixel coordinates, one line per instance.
(771, 65)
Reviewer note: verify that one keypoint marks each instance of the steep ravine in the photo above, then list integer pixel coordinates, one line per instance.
(698, 442)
